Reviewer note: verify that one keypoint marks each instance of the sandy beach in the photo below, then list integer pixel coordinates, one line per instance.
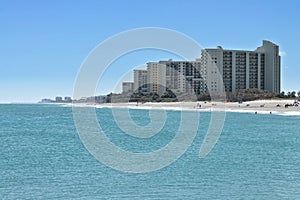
(256, 107)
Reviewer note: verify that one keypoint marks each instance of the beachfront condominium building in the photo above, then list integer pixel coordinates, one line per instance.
(178, 76)
(156, 77)
(127, 87)
(140, 80)
(240, 69)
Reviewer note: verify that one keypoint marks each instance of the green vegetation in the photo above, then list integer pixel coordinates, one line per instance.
(169, 96)
(249, 95)
(255, 94)
(288, 94)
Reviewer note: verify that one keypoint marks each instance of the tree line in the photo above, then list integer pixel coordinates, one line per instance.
(237, 96)
(289, 94)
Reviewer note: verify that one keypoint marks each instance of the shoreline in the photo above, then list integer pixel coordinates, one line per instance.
(255, 107)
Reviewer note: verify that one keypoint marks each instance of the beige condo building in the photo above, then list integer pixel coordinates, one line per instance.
(241, 69)
(178, 76)
(140, 80)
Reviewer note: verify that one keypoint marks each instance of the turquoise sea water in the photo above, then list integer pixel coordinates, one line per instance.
(42, 157)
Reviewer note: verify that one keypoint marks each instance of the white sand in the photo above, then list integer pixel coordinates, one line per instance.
(259, 106)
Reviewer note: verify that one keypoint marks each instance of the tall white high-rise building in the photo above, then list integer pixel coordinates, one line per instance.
(272, 70)
(240, 69)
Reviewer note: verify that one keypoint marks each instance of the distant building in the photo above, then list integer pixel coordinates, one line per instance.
(127, 87)
(46, 101)
(140, 81)
(100, 99)
(68, 99)
(58, 99)
(241, 69)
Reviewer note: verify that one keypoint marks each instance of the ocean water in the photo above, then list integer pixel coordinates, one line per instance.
(42, 157)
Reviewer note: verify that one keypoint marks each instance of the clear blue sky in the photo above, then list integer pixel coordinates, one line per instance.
(43, 43)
